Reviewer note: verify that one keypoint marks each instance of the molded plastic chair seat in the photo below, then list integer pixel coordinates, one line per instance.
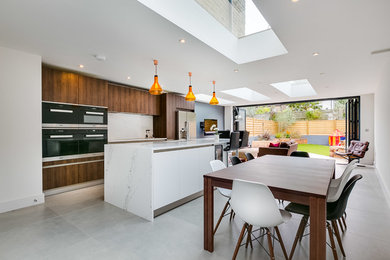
(235, 160)
(249, 156)
(300, 154)
(334, 212)
(255, 204)
(337, 185)
(225, 192)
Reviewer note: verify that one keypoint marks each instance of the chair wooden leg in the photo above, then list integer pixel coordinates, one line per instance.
(221, 217)
(332, 244)
(338, 237)
(341, 225)
(231, 215)
(244, 227)
(281, 242)
(345, 223)
(270, 246)
(249, 237)
(297, 236)
(305, 218)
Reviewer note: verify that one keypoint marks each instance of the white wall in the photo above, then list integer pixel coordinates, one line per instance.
(367, 105)
(20, 132)
(123, 126)
(229, 118)
(382, 130)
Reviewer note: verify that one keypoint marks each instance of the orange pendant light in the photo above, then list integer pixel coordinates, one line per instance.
(155, 89)
(214, 100)
(190, 95)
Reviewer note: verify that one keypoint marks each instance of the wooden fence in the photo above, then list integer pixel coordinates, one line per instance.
(313, 127)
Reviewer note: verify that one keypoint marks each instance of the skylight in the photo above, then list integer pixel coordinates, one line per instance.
(246, 93)
(240, 17)
(296, 88)
(206, 99)
(194, 19)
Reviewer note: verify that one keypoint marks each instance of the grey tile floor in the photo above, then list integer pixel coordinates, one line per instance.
(80, 225)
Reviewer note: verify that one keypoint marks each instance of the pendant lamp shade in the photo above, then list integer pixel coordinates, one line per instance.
(190, 95)
(155, 89)
(214, 100)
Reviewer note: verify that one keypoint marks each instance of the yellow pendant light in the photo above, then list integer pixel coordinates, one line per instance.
(190, 95)
(214, 100)
(155, 89)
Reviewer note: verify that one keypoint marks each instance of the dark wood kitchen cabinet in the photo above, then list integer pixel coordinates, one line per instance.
(92, 91)
(132, 100)
(68, 172)
(69, 87)
(59, 86)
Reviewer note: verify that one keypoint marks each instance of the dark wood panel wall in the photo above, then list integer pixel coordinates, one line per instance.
(165, 124)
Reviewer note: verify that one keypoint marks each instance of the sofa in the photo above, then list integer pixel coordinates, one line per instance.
(285, 148)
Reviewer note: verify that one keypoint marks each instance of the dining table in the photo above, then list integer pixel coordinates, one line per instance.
(296, 179)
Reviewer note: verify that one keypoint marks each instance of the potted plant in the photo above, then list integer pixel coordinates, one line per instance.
(216, 134)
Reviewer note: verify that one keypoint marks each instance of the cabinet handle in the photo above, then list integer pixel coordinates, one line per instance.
(60, 136)
(94, 135)
(61, 110)
(94, 113)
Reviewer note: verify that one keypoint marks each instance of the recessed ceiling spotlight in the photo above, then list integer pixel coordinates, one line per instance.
(235, 70)
(81, 66)
(128, 77)
(315, 54)
(294, 1)
(182, 40)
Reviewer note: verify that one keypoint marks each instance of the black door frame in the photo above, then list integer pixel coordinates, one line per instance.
(351, 124)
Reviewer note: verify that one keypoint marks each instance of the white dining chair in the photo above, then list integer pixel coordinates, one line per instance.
(255, 204)
(217, 165)
(337, 185)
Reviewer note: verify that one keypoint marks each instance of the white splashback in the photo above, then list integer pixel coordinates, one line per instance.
(122, 126)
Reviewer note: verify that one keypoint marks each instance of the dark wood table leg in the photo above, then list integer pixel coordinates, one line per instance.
(208, 215)
(317, 228)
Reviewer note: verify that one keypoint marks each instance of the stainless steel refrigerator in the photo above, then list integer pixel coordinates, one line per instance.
(185, 125)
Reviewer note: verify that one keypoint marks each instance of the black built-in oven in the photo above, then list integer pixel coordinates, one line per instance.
(93, 116)
(92, 140)
(60, 142)
(59, 115)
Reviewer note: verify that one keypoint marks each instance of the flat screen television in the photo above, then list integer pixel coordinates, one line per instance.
(208, 124)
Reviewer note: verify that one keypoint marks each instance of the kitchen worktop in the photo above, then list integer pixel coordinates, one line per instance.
(138, 140)
(175, 144)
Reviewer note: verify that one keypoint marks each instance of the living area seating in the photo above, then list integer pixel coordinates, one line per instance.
(285, 148)
(356, 150)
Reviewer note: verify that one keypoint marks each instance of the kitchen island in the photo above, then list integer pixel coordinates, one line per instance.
(148, 179)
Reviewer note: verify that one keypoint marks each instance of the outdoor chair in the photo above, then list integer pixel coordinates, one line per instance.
(356, 150)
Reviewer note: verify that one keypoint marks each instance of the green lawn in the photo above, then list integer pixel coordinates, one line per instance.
(314, 148)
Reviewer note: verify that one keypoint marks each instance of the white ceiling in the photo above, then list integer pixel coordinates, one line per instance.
(67, 33)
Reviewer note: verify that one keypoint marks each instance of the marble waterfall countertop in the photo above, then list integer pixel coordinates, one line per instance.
(176, 144)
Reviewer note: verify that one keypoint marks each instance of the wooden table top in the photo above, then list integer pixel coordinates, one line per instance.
(304, 175)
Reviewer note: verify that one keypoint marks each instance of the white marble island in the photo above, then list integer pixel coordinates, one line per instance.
(149, 178)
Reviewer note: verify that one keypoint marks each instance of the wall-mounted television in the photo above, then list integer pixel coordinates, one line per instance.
(208, 124)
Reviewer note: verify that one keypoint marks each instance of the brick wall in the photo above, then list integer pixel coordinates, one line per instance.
(230, 15)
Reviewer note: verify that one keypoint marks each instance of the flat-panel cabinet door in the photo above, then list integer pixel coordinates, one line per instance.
(92, 91)
(55, 177)
(166, 178)
(59, 86)
(91, 171)
(205, 156)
